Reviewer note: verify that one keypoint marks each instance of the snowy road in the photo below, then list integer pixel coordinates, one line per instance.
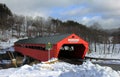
(113, 66)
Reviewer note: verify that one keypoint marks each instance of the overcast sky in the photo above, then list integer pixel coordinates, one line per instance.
(105, 12)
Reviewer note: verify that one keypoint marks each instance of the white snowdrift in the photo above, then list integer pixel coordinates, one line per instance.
(60, 69)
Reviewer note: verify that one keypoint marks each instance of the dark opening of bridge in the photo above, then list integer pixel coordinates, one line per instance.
(71, 51)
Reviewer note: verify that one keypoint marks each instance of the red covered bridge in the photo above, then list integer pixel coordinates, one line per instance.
(69, 46)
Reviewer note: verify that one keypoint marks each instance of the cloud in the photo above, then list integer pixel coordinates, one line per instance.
(77, 11)
(107, 8)
(27, 7)
(105, 23)
(106, 12)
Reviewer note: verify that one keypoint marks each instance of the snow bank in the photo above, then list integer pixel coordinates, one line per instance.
(60, 69)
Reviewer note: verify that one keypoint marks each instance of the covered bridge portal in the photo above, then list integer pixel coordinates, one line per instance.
(68, 46)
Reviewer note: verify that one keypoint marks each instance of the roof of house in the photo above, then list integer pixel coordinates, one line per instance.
(43, 40)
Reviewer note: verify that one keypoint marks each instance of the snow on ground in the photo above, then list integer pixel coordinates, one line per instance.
(98, 55)
(8, 46)
(109, 52)
(60, 69)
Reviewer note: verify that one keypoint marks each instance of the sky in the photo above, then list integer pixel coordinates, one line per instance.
(87, 12)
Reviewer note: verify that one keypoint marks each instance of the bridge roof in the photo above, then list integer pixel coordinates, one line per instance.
(43, 40)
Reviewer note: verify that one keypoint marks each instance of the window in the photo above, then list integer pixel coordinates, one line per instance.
(35, 47)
